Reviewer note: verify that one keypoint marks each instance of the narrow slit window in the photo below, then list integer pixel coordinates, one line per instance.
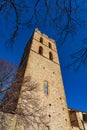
(50, 46)
(46, 87)
(40, 50)
(50, 56)
(41, 40)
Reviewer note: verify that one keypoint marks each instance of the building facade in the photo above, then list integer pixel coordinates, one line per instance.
(43, 65)
(78, 119)
(40, 61)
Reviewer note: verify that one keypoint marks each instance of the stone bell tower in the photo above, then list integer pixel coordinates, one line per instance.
(43, 65)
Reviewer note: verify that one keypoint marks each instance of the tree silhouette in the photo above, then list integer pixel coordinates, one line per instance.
(21, 97)
(62, 15)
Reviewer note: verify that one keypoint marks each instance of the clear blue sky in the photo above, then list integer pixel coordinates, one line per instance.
(75, 83)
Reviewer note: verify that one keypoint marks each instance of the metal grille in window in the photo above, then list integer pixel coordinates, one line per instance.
(46, 88)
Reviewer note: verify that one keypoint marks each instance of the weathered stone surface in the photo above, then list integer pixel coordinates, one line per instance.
(43, 70)
(7, 121)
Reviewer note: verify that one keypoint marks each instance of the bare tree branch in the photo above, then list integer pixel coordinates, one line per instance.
(62, 15)
(79, 58)
(21, 96)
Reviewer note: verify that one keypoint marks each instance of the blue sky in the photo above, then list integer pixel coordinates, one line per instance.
(75, 82)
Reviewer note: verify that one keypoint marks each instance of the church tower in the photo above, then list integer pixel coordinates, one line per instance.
(43, 65)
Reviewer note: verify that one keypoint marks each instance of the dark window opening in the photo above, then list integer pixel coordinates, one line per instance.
(85, 117)
(50, 56)
(50, 45)
(41, 40)
(40, 50)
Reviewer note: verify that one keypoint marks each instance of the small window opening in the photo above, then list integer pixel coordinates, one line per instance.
(40, 50)
(41, 40)
(46, 88)
(85, 117)
(50, 56)
(50, 45)
(46, 128)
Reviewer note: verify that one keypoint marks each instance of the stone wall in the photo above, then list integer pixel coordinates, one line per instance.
(7, 121)
(42, 69)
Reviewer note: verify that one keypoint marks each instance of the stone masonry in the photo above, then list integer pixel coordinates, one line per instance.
(41, 61)
(45, 69)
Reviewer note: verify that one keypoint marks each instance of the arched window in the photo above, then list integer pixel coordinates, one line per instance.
(50, 56)
(46, 128)
(40, 50)
(46, 87)
(41, 40)
(50, 45)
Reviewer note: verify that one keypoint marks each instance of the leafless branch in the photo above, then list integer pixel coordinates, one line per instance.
(21, 97)
(79, 58)
(61, 14)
